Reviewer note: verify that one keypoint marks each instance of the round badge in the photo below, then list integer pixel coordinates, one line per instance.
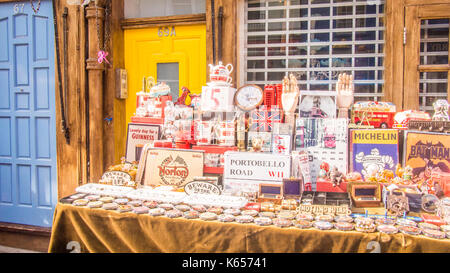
(263, 221)
(192, 214)
(80, 202)
(343, 226)
(303, 224)
(243, 219)
(406, 222)
(234, 212)
(156, 212)
(305, 216)
(125, 208)
(150, 204)
(208, 216)
(267, 214)
(110, 206)
(174, 213)
(323, 225)
(428, 226)
(216, 210)
(183, 208)
(95, 204)
(166, 206)
(409, 230)
(106, 199)
(249, 212)
(432, 233)
(343, 218)
(135, 203)
(281, 222)
(140, 210)
(121, 201)
(225, 218)
(387, 229)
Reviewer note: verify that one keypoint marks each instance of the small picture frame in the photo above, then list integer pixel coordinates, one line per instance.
(317, 104)
(281, 144)
(137, 136)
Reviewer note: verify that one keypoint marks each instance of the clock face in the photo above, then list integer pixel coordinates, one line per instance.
(248, 97)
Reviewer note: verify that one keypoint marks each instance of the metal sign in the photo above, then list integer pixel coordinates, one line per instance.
(117, 178)
(201, 187)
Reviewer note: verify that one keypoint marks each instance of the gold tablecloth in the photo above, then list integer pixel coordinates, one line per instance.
(98, 230)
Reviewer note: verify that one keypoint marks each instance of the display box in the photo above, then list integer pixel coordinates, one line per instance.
(373, 150)
(214, 159)
(171, 167)
(325, 140)
(365, 194)
(425, 152)
(292, 188)
(327, 186)
(270, 193)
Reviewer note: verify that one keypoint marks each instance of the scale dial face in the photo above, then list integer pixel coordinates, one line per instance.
(248, 97)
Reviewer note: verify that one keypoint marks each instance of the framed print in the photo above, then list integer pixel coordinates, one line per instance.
(281, 144)
(317, 104)
(137, 136)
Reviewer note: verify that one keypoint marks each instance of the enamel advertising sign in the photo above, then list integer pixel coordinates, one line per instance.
(373, 150)
(172, 167)
(427, 152)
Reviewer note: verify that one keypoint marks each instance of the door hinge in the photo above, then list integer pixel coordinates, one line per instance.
(404, 36)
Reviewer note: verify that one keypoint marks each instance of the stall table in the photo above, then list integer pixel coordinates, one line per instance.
(98, 230)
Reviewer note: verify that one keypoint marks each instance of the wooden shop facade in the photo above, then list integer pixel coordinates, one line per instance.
(397, 51)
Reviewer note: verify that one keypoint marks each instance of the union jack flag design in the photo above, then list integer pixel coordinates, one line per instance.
(262, 120)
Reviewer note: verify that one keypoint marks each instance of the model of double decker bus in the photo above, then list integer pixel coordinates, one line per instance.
(373, 113)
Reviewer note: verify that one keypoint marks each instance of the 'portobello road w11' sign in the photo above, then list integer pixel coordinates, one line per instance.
(244, 171)
(256, 166)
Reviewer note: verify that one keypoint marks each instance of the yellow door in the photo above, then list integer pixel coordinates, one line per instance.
(170, 50)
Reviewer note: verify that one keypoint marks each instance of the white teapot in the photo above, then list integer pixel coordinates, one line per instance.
(221, 73)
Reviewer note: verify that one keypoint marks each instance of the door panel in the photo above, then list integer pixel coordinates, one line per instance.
(427, 68)
(148, 47)
(28, 186)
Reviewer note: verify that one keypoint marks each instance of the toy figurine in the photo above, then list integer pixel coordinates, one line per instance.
(324, 170)
(182, 99)
(440, 110)
(344, 89)
(336, 176)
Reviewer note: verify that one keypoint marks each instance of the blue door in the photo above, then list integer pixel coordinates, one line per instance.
(28, 182)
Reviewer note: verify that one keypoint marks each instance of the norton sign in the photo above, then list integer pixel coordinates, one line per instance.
(257, 166)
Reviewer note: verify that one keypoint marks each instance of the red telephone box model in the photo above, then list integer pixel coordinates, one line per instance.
(374, 113)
